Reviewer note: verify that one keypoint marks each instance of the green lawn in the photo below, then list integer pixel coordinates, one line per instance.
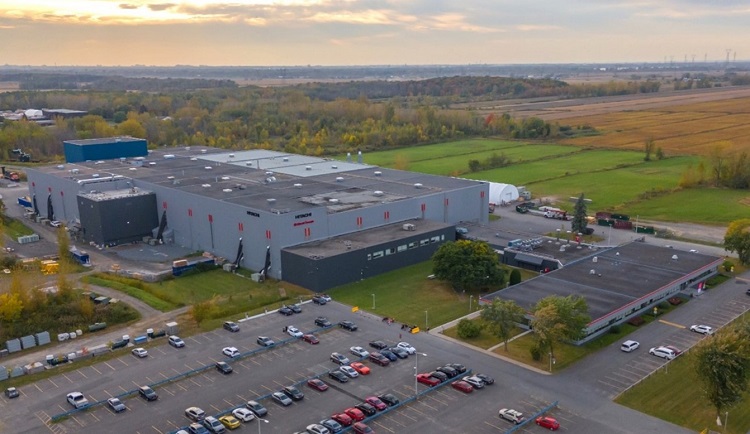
(430, 152)
(405, 295)
(708, 206)
(15, 228)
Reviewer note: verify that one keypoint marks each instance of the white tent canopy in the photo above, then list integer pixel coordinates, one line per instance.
(500, 193)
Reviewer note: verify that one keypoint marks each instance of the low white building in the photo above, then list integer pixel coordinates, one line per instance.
(500, 193)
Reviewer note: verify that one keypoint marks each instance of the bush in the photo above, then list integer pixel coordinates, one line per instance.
(536, 352)
(675, 301)
(615, 329)
(468, 329)
(728, 266)
(515, 277)
(664, 305)
(636, 321)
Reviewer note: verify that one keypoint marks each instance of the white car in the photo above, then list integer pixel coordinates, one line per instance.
(139, 352)
(294, 332)
(405, 345)
(243, 414)
(511, 415)
(230, 351)
(348, 370)
(629, 346)
(77, 400)
(702, 329)
(55, 224)
(359, 352)
(176, 342)
(663, 352)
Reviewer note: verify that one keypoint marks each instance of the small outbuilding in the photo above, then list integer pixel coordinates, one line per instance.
(500, 193)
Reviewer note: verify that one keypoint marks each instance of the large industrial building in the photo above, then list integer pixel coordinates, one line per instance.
(323, 222)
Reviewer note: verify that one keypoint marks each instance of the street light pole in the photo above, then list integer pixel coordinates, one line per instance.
(416, 372)
(470, 299)
(259, 421)
(550, 362)
(373, 301)
(426, 323)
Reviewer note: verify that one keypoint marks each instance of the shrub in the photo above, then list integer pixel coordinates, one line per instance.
(728, 266)
(615, 329)
(675, 301)
(468, 329)
(636, 321)
(515, 277)
(536, 352)
(664, 305)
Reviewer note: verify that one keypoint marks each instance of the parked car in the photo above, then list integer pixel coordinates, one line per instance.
(116, 405)
(196, 428)
(317, 428)
(355, 413)
(311, 339)
(361, 368)
(378, 345)
(440, 376)
(265, 341)
(547, 422)
(362, 428)
(463, 386)
(293, 392)
(348, 370)
(339, 358)
(231, 326)
(147, 393)
(702, 329)
(332, 425)
(317, 384)
(747, 291)
(176, 341)
(319, 299)
(195, 414)
(281, 398)
(629, 346)
(229, 421)
(366, 408)
(342, 418)
(379, 359)
(293, 332)
(257, 408)
(296, 308)
(447, 370)
(223, 367)
(338, 376)
(389, 355)
(213, 425)
(475, 381)
(376, 402)
(359, 352)
(230, 351)
(322, 321)
(405, 345)
(486, 379)
(676, 350)
(390, 399)
(511, 415)
(457, 366)
(243, 414)
(663, 352)
(348, 325)
(399, 352)
(428, 380)
(139, 352)
(286, 310)
(12, 392)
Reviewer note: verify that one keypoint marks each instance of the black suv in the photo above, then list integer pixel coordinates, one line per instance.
(296, 308)
(147, 393)
(348, 325)
(338, 376)
(389, 398)
(231, 326)
(322, 321)
(319, 299)
(457, 366)
(439, 375)
(367, 409)
(285, 310)
(223, 367)
(379, 345)
(447, 370)
(293, 393)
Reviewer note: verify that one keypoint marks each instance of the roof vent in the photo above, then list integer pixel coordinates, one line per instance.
(333, 200)
(269, 173)
(95, 175)
(339, 179)
(674, 257)
(168, 156)
(308, 167)
(270, 200)
(139, 158)
(170, 177)
(206, 185)
(187, 148)
(377, 193)
(225, 178)
(592, 271)
(203, 151)
(334, 167)
(285, 159)
(193, 159)
(231, 155)
(208, 168)
(249, 163)
(297, 185)
(74, 171)
(378, 173)
(227, 190)
(417, 185)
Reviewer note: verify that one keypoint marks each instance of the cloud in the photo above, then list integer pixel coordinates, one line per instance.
(128, 6)
(382, 17)
(161, 6)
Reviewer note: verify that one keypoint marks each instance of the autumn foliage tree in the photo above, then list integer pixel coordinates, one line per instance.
(559, 319)
(468, 265)
(737, 239)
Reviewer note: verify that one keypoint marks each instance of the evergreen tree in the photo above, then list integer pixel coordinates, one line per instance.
(579, 217)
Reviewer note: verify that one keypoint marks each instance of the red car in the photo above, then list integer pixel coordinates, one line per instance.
(379, 359)
(361, 428)
(343, 419)
(428, 380)
(376, 402)
(462, 386)
(355, 413)
(311, 339)
(360, 367)
(317, 384)
(548, 422)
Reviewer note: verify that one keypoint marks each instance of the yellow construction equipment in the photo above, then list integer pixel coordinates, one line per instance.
(49, 267)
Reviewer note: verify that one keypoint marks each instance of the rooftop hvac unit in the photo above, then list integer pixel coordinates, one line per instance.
(74, 171)
(227, 190)
(133, 169)
(417, 185)
(208, 168)
(168, 156)
(170, 177)
(333, 200)
(193, 159)
(187, 148)
(297, 185)
(334, 167)
(377, 193)
(596, 259)
(339, 179)
(225, 178)
(592, 271)
(249, 163)
(285, 159)
(203, 151)
(206, 185)
(139, 158)
(151, 163)
(378, 173)
(308, 167)
(95, 175)
(269, 173)
(60, 166)
(409, 227)
(231, 155)
(271, 200)
(674, 257)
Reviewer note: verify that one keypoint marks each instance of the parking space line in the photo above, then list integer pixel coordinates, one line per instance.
(383, 426)
(122, 361)
(81, 372)
(218, 410)
(494, 426)
(157, 429)
(37, 387)
(110, 366)
(679, 326)
(77, 421)
(53, 383)
(67, 378)
(94, 368)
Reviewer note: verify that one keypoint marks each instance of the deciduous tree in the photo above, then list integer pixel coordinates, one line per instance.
(737, 239)
(502, 318)
(468, 265)
(559, 319)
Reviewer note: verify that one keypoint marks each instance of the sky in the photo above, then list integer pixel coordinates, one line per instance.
(369, 32)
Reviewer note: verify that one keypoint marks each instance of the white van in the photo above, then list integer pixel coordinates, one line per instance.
(662, 352)
(629, 346)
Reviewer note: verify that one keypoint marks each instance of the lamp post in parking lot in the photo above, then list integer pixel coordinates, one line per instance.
(416, 372)
(259, 421)
(373, 301)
